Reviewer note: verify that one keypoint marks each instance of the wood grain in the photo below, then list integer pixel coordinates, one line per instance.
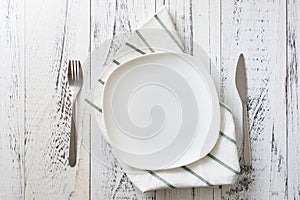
(102, 180)
(116, 21)
(181, 15)
(52, 39)
(257, 28)
(198, 24)
(206, 38)
(12, 100)
(292, 100)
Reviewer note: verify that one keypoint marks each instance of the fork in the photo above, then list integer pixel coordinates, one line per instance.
(75, 79)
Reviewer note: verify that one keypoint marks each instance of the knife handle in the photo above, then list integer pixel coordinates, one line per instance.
(247, 151)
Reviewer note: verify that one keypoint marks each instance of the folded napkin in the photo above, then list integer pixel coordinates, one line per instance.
(220, 166)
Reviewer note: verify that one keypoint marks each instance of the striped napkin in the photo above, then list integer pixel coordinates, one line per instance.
(220, 166)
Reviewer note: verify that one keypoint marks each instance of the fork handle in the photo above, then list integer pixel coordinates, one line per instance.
(247, 151)
(73, 141)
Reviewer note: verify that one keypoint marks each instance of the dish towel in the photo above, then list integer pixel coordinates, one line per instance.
(220, 166)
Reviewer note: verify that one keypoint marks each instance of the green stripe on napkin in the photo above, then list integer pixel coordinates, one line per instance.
(161, 179)
(135, 48)
(222, 163)
(227, 137)
(116, 62)
(93, 105)
(196, 175)
(145, 41)
(100, 81)
(169, 33)
(224, 106)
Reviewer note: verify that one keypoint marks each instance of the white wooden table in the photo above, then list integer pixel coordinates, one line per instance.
(38, 37)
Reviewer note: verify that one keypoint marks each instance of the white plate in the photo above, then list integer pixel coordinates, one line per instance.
(159, 107)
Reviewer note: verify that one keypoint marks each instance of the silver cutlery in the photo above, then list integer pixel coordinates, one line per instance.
(241, 85)
(75, 79)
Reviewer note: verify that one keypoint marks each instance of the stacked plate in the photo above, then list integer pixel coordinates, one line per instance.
(160, 110)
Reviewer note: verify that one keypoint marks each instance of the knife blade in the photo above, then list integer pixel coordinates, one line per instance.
(241, 85)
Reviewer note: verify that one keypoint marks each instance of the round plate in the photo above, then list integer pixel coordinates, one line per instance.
(158, 106)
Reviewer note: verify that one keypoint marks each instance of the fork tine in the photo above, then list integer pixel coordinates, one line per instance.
(80, 70)
(72, 68)
(69, 67)
(76, 70)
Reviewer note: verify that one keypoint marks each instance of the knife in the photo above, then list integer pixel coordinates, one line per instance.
(241, 85)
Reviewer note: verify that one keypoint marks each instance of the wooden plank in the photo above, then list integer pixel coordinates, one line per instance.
(292, 99)
(181, 15)
(257, 28)
(56, 31)
(204, 194)
(199, 31)
(115, 19)
(103, 179)
(79, 48)
(12, 100)
(173, 194)
(206, 39)
(217, 192)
